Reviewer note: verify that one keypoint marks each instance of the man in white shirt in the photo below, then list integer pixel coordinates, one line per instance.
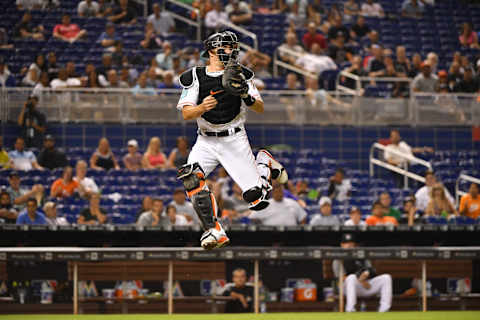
(291, 44)
(339, 187)
(371, 9)
(162, 21)
(63, 81)
(422, 196)
(21, 159)
(325, 218)
(50, 209)
(184, 207)
(174, 218)
(355, 218)
(87, 186)
(88, 8)
(281, 211)
(213, 17)
(397, 145)
(315, 62)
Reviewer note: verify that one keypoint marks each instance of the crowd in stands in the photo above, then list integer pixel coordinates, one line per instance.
(318, 38)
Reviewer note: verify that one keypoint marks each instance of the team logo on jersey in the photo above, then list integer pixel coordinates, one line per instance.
(184, 93)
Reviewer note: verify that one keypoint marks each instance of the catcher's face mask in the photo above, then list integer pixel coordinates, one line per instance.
(226, 44)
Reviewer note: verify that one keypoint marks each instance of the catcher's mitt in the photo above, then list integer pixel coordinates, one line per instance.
(233, 80)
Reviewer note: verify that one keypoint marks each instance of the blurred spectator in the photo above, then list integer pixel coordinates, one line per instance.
(119, 58)
(386, 202)
(21, 159)
(113, 81)
(397, 144)
(92, 80)
(295, 18)
(162, 21)
(356, 69)
(179, 156)
(67, 31)
(105, 7)
(50, 209)
(151, 40)
(338, 51)
(195, 59)
(325, 218)
(237, 202)
(422, 196)
(133, 159)
(175, 219)
(338, 29)
(154, 158)
(103, 157)
(4, 159)
(412, 9)
(109, 37)
(439, 205)
(42, 85)
(4, 40)
(468, 37)
(402, 64)
(164, 59)
(455, 76)
(339, 187)
(6, 78)
(125, 13)
(94, 214)
(8, 214)
(258, 62)
(315, 10)
(34, 70)
(88, 8)
(20, 195)
(425, 81)
(409, 210)
(360, 29)
(32, 123)
(147, 204)
(470, 202)
(65, 186)
(142, 88)
(469, 84)
(31, 215)
(183, 206)
(355, 218)
(290, 44)
(351, 10)
(239, 13)
(416, 67)
(372, 9)
(50, 157)
(281, 211)
(52, 66)
(105, 66)
(168, 82)
(315, 62)
(26, 30)
(313, 36)
(153, 217)
(37, 4)
(292, 82)
(260, 6)
(279, 7)
(203, 6)
(86, 185)
(442, 84)
(153, 79)
(213, 17)
(378, 217)
(432, 59)
(375, 63)
(241, 293)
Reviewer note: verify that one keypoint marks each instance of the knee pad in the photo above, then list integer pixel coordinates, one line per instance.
(192, 176)
(205, 207)
(257, 198)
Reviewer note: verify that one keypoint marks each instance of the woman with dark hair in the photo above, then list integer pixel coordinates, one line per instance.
(279, 6)
(65, 186)
(92, 80)
(34, 70)
(468, 38)
(179, 156)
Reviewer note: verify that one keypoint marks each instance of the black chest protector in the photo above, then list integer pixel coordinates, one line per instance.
(228, 106)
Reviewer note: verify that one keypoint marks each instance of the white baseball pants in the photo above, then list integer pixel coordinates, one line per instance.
(381, 284)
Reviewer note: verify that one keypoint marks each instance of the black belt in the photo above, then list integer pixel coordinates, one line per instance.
(224, 133)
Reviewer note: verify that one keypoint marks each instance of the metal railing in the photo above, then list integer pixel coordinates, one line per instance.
(400, 170)
(197, 24)
(279, 63)
(359, 81)
(459, 193)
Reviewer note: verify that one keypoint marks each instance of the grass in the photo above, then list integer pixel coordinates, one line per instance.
(456, 315)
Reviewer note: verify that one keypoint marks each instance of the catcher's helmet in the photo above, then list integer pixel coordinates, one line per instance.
(222, 39)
